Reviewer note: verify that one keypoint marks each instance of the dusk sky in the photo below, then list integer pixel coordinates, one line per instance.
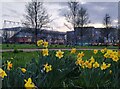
(14, 11)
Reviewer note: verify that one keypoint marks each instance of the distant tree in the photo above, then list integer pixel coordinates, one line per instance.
(82, 18)
(107, 26)
(77, 16)
(36, 16)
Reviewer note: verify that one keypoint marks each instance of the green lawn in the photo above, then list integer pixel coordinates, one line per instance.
(32, 46)
(21, 58)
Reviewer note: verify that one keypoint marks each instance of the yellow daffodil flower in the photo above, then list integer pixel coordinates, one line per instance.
(45, 44)
(29, 84)
(102, 51)
(95, 51)
(45, 52)
(119, 53)
(115, 58)
(23, 70)
(73, 50)
(105, 66)
(89, 65)
(96, 65)
(39, 42)
(86, 63)
(79, 62)
(59, 54)
(92, 60)
(9, 65)
(110, 71)
(2, 73)
(106, 55)
(80, 55)
(47, 67)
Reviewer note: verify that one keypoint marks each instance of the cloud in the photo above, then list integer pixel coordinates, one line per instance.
(14, 11)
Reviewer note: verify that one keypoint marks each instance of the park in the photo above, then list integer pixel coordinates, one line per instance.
(34, 57)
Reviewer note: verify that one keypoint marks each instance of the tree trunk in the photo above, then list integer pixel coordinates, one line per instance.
(75, 43)
(36, 23)
(81, 37)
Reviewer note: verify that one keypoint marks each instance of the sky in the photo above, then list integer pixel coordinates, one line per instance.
(14, 11)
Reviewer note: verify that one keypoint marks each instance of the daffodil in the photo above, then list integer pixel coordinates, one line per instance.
(73, 50)
(110, 71)
(96, 65)
(102, 51)
(105, 49)
(108, 65)
(23, 70)
(106, 55)
(86, 63)
(89, 65)
(39, 42)
(95, 51)
(2, 73)
(92, 60)
(59, 54)
(115, 53)
(45, 52)
(9, 65)
(119, 53)
(115, 58)
(45, 44)
(79, 62)
(105, 66)
(80, 55)
(29, 84)
(47, 67)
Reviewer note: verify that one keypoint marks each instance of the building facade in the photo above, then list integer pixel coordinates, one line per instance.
(92, 36)
(26, 35)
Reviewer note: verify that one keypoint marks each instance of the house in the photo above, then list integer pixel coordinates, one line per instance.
(26, 35)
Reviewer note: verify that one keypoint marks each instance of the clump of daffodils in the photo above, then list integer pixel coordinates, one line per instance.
(112, 54)
(41, 42)
(91, 63)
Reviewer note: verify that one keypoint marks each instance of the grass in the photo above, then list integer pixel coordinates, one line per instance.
(33, 46)
(64, 70)
(21, 58)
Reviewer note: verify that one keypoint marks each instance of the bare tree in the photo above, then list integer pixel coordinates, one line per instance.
(36, 16)
(82, 18)
(77, 16)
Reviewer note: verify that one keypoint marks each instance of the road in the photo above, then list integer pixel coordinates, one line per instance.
(30, 50)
